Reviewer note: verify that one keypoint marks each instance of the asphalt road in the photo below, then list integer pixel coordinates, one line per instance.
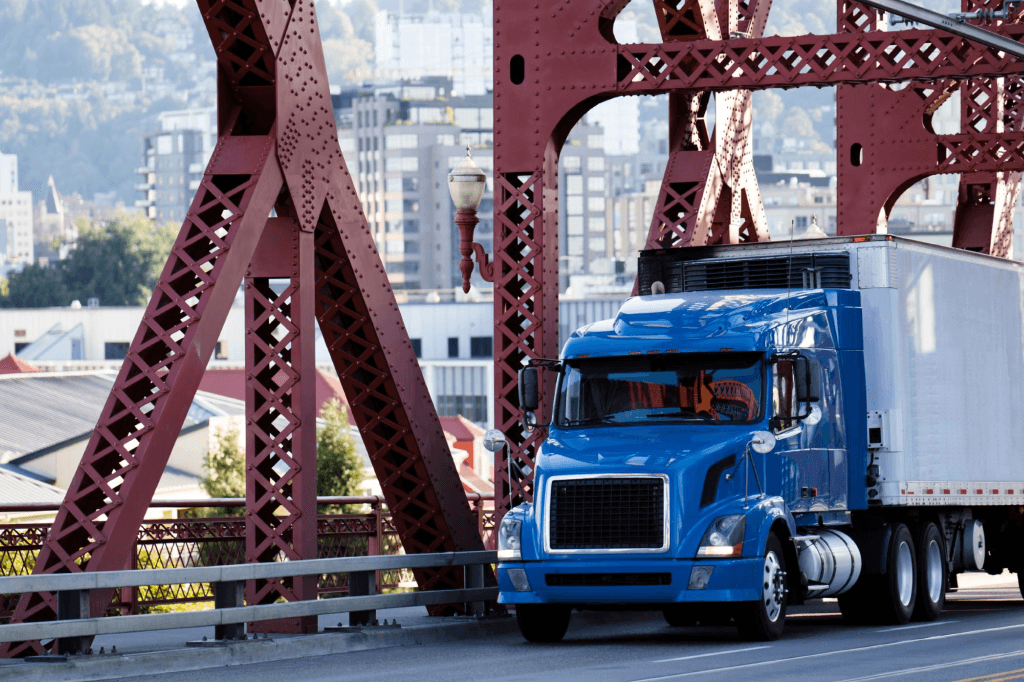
(980, 638)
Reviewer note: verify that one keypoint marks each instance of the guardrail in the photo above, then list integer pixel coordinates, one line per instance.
(211, 541)
(74, 632)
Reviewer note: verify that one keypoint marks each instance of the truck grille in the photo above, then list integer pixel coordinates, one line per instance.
(607, 513)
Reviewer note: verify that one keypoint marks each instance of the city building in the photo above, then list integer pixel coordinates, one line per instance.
(631, 222)
(585, 226)
(174, 161)
(16, 244)
(402, 142)
(455, 46)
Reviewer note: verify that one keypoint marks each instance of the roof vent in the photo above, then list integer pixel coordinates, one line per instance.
(800, 271)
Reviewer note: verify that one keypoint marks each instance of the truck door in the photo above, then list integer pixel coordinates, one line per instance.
(812, 469)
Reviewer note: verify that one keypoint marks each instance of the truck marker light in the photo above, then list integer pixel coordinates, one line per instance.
(945, 491)
(634, 352)
(700, 576)
(719, 551)
(672, 350)
(963, 491)
(653, 351)
(929, 491)
(995, 491)
(519, 580)
(725, 350)
(979, 491)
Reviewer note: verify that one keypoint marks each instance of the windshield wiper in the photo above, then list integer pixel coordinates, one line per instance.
(604, 419)
(678, 415)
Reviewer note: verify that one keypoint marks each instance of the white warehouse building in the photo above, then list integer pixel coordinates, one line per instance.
(453, 340)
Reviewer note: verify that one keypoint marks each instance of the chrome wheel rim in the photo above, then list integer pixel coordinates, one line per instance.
(774, 588)
(933, 568)
(905, 573)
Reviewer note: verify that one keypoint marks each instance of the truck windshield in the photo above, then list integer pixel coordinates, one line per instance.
(686, 387)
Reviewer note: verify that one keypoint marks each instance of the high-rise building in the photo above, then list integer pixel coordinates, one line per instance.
(585, 225)
(16, 247)
(174, 160)
(456, 46)
(8, 173)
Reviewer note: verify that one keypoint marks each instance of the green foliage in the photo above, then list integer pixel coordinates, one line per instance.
(35, 287)
(119, 264)
(18, 560)
(339, 468)
(225, 470)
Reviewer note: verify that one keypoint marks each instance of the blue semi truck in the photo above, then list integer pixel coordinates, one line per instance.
(769, 424)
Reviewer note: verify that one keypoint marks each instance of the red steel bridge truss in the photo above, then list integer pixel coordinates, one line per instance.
(277, 203)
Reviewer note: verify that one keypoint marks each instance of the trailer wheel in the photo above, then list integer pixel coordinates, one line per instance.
(932, 572)
(899, 583)
(763, 620)
(543, 622)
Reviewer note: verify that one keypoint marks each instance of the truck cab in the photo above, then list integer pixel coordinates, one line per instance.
(689, 437)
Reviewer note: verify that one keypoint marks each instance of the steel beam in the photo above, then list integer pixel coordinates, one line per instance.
(280, 453)
(709, 194)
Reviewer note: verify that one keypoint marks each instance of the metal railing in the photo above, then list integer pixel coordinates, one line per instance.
(229, 615)
(214, 541)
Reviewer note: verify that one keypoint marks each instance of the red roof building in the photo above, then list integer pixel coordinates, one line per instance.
(12, 364)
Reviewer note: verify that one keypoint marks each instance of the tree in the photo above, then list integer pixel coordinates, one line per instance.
(34, 287)
(225, 467)
(119, 264)
(339, 468)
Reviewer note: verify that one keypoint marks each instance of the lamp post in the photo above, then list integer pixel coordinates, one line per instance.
(466, 184)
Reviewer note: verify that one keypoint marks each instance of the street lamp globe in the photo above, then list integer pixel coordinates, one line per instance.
(466, 184)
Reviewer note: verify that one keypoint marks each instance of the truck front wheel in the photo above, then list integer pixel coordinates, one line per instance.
(764, 619)
(543, 622)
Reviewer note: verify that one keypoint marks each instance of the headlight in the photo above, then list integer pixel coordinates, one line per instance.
(510, 534)
(724, 537)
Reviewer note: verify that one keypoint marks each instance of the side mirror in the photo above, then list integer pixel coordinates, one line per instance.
(529, 394)
(807, 376)
(494, 440)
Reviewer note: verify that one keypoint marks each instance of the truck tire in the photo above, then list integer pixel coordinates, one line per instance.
(932, 572)
(764, 619)
(543, 622)
(898, 595)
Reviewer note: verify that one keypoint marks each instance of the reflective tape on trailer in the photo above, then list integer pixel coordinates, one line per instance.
(966, 493)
